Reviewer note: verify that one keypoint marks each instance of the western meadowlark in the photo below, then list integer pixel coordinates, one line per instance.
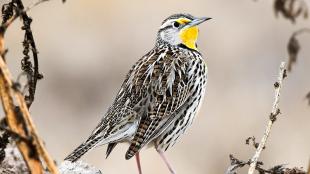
(160, 96)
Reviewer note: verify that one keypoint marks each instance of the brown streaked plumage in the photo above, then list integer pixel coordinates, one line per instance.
(160, 96)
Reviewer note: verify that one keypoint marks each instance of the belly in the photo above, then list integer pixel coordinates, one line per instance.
(183, 120)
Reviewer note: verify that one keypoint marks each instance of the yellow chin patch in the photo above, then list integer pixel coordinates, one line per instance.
(189, 37)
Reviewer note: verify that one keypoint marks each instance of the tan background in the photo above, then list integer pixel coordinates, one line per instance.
(86, 48)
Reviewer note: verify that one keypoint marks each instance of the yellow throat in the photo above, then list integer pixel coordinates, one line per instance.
(189, 37)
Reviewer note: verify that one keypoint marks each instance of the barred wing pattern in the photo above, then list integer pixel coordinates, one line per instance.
(156, 89)
(162, 81)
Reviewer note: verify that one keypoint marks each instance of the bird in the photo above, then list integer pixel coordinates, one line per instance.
(160, 96)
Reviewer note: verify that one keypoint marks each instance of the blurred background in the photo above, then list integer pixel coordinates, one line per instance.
(87, 47)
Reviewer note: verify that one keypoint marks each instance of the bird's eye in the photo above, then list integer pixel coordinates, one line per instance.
(176, 24)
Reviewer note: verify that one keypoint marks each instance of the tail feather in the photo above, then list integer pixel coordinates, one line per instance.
(132, 151)
(101, 137)
(111, 146)
(81, 150)
(140, 138)
(135, 146)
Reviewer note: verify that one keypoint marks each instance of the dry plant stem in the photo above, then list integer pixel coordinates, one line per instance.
(32, 81)
(7, 92)
(29, 46)
(274, 113)
(12, 19)
(5, 77)
(34, 165)
(39, 144)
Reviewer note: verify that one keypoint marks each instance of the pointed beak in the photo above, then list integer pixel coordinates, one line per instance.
(197, 21)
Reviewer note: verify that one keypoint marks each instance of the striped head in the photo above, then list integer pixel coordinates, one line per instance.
(180, 30)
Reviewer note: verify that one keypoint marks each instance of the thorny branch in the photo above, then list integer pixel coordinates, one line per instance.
(22, 124)
(253, 162)
(290, 9)
(278, 169)
(32, 71)
(252, 140)
(16, 125)
(272, 118)
(8, 16)
(17, 116)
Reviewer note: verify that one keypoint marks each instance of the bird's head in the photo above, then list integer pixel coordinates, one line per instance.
(180, 30)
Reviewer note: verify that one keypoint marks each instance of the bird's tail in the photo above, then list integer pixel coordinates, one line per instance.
(81, 150)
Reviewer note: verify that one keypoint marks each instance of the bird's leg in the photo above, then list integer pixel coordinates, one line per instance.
(163, 157)
(138, 162)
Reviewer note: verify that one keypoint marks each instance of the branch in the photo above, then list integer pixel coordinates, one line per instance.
(16, 125)
(20, 122)
(31, 71)
(274, 112)
(10, 19)
(11, 12)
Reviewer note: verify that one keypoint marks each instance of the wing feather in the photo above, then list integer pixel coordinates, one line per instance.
(162, 83)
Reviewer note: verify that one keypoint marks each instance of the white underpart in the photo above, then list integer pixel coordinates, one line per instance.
(127, 132)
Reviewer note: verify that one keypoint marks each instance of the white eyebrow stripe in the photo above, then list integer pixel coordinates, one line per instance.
(168, 22)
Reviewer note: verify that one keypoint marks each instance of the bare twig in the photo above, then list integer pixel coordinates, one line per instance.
(39, 144)
(274, 112)
(29, 44)
(235, 164)
(32, 71)
(33, 162)
(7, 99)
(11, 18)
(21, 123)
(277, 169)
(252, 140)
